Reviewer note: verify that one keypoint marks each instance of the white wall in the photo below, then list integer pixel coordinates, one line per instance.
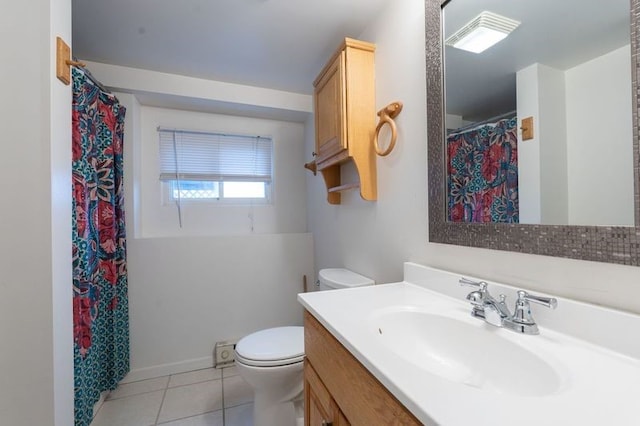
(552, 134)
(374, 238)
(187, 293)
(452, 121)
(214, 279)
(542, 160)
(529, 170)
(60, 172)
(190, 93)
(580, 162)
(599, 139)
(36, 360)
(132, 157)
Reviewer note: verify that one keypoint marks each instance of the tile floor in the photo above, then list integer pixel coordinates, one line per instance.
(206, 397)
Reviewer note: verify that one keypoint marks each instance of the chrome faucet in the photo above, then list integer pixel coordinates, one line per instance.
(486, 306)
(496, 312)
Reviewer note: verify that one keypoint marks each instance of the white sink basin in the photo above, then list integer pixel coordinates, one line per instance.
(469, 353)
(419, 340)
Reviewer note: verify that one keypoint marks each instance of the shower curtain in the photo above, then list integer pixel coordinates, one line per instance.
(100, 307)
(482, 176)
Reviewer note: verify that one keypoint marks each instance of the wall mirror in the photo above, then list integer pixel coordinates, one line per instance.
(571, 66)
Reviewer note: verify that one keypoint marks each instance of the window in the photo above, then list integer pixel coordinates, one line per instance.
(215, 167)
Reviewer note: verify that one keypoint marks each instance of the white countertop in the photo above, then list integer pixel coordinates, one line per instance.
(597, 382)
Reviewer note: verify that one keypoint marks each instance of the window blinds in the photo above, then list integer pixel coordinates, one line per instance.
(201, 156)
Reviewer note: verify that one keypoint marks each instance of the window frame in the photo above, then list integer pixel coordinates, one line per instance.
(168, 185)
(169, 199)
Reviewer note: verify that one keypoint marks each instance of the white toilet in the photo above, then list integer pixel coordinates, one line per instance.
(271, 361)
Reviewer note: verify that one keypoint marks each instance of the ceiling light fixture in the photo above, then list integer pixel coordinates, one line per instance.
(482, 32)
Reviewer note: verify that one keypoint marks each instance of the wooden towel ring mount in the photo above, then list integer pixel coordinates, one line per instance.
(387, 114)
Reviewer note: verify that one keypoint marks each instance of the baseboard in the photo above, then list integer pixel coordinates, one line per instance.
(167, 369)
(98, 405)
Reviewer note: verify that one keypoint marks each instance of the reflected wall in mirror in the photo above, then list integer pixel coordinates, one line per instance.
(561, 93)
(568, 66)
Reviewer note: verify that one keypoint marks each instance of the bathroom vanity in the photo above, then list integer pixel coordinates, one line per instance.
(339, 390)
(411, 353)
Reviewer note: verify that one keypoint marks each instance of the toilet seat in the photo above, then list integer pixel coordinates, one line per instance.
(272, 347)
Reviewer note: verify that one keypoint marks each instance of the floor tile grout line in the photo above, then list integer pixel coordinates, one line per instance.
(168, 375)
(224, 408)
(178, 374)
(97, 412)
(133, 394)
(239, 405)
(194, 383)
(166, 387)
(223, 378)
(164, 394)
(144, 380)
(187, 417)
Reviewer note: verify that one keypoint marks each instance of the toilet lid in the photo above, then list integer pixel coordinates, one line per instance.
(273, 346)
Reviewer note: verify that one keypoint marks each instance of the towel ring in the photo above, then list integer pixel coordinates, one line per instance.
(387, 114)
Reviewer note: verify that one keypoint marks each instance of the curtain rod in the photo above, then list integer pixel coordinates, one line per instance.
(90, 76)
(95, 81)
(487, 121)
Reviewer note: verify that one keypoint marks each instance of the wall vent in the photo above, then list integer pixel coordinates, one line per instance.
(224, 354)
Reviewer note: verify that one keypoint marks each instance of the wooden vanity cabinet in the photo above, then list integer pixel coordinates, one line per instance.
(339, 390)
(321, 409)
(344, 107)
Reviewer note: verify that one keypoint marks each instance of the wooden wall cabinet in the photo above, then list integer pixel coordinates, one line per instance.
(339, 390)
(344, 105)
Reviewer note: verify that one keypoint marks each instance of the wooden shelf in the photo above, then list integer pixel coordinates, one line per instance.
(344, 187)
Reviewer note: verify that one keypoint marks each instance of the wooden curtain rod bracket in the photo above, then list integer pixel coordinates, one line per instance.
(64, 62)
(527, 128)
(312, 166)
(75, 64)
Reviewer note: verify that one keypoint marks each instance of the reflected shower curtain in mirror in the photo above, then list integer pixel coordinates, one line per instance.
(482, 177)
(100, 305)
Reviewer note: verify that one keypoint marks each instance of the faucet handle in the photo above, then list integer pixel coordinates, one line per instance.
(480, 284)
(549, 302)
(522, 320)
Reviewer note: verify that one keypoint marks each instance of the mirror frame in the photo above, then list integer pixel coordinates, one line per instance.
(613, 244)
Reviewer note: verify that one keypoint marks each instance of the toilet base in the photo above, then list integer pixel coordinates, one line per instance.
(278, 393)
(267, 412)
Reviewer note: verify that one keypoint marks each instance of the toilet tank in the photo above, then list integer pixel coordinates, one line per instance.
(335, 278)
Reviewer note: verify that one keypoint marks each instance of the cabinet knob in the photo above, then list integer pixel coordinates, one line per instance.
(315, 154)
(327, 423)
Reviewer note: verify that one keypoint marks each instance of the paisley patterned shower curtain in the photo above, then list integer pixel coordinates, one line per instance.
(100, 306)
(482, 173)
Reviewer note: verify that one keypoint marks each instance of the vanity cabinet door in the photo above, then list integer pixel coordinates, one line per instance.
(341, 420)
(320, 408)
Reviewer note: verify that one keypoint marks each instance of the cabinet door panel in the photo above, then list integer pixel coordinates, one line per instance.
(316, 416)
(340, 419)
(318, 404)
(330, 109)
